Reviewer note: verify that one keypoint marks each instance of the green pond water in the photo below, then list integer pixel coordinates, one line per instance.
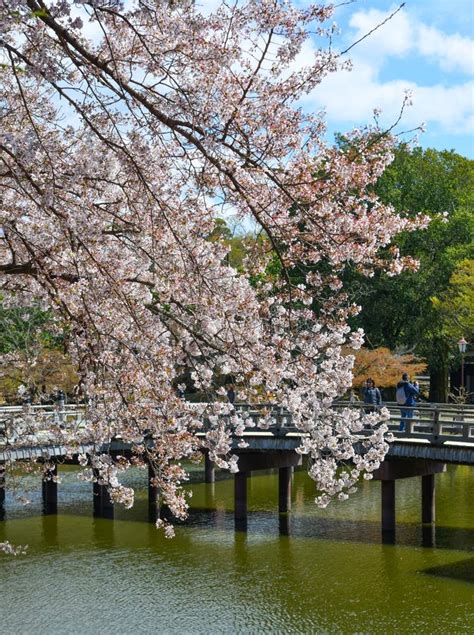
(312, 571)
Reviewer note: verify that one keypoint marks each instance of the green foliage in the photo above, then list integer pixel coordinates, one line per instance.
(31, 353)
(399, 312)
(23, 328)
(456, 305)
(427, 181)
(240, 245)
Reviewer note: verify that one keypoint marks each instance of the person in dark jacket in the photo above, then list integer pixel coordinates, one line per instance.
(411, 393)
(371, 395)
(231, 393)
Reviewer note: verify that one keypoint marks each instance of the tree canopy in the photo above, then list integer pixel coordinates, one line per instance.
(456, 304)
(398, 312)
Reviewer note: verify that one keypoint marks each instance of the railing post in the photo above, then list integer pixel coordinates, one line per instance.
(436, 423)
(49, 490)
(465, 426)
(60, 405)
(278, 421)
(153, 495)
(428, 498)
(409, 422)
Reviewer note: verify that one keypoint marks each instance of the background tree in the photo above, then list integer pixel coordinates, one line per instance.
(383, 366)
(32, 354)
(456, 305)
(398, 312)
(36, 374)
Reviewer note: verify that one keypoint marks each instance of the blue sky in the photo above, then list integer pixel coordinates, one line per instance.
(427, 47)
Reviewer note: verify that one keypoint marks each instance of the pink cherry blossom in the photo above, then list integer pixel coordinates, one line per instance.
(116, 155)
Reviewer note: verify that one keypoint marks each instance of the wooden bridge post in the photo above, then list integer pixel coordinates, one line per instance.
(209, 469)
(428, 498)
(153, 498)
(49, 491)
(388, 506)
(2, 491)
(240, 497)
(284, 489)
(103, 506)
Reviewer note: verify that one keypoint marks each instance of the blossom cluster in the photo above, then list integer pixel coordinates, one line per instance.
(116, 154)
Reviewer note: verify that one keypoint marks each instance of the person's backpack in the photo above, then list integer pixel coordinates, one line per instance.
(401, 396)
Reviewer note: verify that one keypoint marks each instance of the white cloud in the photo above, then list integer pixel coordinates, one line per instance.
(405, 34)
(350, 97)
(393, 38)
(452, 52)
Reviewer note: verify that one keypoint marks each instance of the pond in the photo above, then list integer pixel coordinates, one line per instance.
(311, 571)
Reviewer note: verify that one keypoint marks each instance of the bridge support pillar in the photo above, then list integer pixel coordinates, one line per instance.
(103, 506)
(49, 491)
(2, 491)
(392, 470)
(240, 497)
(209, 469)
(284, 489)
(153, 498)
(428, 498)
(388, 507)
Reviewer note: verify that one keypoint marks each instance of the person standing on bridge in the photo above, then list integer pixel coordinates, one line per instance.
(371, 395)
(406, 396)
(231, 393)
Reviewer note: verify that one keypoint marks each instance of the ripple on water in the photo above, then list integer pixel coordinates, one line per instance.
(312, 571)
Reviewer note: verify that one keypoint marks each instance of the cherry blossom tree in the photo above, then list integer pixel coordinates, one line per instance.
(125, 131)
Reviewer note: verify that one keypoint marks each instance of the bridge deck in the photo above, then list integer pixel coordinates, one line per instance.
(441, 432)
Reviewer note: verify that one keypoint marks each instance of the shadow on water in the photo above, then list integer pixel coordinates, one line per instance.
(462, 570)
(272, 524)
(49, 531)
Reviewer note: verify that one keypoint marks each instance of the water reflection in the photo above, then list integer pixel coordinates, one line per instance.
(50, 531)
(354, 521)
(307, 571)
(368, 532)
(284, 524)
(103, 533)
(428, 535)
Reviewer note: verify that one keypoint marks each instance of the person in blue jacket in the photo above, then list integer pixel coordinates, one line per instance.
(411, 393)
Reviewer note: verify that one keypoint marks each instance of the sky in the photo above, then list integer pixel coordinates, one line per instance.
(427, 48)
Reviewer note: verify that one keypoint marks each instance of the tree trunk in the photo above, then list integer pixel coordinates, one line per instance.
(439, 375)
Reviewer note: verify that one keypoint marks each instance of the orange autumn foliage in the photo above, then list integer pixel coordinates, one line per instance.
(384, 366)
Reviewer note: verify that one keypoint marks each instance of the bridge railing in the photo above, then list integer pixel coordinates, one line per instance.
(436, 423)
(39, 423)
(433, 423)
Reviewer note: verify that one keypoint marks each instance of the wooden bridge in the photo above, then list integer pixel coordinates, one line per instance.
(435, 435)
